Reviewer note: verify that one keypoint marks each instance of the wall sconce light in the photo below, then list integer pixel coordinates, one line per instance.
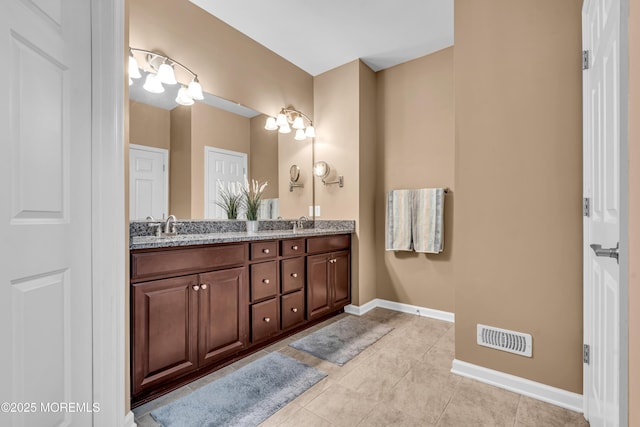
(289, 118)
(163, 73)
(321, 170)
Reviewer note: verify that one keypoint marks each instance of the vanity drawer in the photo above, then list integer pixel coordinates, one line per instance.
(264, 250)
(264, 319)
(292, 247)
(177, 262)
(264, 280)
(292, 309)
(292, 274)
(328, 243)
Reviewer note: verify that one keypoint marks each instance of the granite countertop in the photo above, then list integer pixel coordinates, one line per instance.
(320, 228)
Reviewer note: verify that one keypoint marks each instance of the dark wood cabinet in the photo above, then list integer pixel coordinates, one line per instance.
(223, 328)
(196, 309)
(164, 331)
(182, 324)
(328, 275)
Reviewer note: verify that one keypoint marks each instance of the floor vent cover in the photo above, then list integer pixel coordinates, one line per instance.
(505, 340)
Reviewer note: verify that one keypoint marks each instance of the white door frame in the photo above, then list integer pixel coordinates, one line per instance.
(207, 150)
(108, 217)
(165, 156)
(624, 220)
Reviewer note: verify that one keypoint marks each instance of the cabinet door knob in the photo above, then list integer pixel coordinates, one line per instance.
(294, 247)
(195, 287)
(294, 274)
(204, 286)
(267, 320)
(295, 310)
(265, 281)
(266, 251)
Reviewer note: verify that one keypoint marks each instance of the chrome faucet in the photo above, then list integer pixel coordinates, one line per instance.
(170, 225)
(300, 221)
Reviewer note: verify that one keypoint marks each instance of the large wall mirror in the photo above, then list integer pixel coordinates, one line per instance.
(202, 144)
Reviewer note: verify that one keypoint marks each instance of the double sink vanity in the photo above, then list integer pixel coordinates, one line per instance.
(213, 293)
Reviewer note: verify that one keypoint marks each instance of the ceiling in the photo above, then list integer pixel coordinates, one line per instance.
(320, 35)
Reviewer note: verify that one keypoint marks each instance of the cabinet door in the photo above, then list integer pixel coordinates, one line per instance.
(164, 327)
(224, 312)
(318, 295)
(341, 279)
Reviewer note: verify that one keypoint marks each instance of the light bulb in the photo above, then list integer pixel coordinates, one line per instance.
(183, 97)
(300, 136)
(166, 74)
(310, 132)
(298, 123)
(195, 89)
(271, 124)
(134, 72)
(282, 120)
(152, 84)
(285, 129)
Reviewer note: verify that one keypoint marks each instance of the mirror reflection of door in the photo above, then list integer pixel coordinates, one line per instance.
(148, 182)
(221, 166)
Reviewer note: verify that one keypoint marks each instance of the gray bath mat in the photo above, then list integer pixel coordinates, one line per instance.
(245, 397)
(343, 340)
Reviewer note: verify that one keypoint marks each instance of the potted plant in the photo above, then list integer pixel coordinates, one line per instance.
(251, 199)
(230, 198)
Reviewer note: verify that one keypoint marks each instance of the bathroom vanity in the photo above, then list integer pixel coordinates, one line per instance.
(202, 301)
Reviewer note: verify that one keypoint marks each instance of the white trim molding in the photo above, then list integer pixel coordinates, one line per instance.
(553, 395)
(401, 307)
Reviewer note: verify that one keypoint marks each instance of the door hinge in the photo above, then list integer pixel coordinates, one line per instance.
(586, 206)
(585, 353)
(586, 59)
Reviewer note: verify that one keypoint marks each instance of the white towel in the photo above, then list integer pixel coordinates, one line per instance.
(427, 220)
(398, 221)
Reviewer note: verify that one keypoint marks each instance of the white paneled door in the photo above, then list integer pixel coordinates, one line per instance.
(601, 82)
(45, 213)
(148, 182)
(221, 166)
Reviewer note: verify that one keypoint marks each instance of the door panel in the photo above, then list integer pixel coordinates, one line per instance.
(341, 277)
(45, 217)
(226, 167)
(223, 314)
(602, 185)
(148, 190)
(318, 295)
(164, 329)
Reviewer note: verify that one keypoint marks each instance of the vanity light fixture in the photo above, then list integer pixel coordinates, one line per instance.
(289, 118)
(162, 72)
(321, 170)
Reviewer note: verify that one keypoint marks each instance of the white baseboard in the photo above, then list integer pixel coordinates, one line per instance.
(553, 395)
(398, 306)
(129, 420)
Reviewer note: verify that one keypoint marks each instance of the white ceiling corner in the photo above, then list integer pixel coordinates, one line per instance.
(321, 35)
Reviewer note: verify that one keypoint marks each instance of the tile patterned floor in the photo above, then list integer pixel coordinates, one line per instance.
(402, 380)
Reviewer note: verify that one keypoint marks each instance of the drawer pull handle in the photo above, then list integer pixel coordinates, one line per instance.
(195, 287)
(332, 261)
(266, 251)
(294, 274)
(294, 247)
(295, 310)
(204, 286)
(265, 281)
(267, 320)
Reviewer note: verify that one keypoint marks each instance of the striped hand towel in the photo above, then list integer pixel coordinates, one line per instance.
(398, 221)
(427, 220)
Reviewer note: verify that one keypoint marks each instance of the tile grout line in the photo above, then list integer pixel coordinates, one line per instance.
(515, 421)
(455, 390)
